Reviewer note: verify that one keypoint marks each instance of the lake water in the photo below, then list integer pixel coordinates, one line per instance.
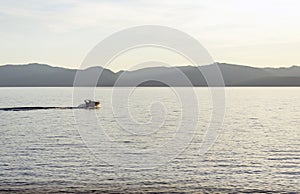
(257, 150)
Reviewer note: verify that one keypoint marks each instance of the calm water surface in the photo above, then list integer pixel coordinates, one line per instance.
(258, 149)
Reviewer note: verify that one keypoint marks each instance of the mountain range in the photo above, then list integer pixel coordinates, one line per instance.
(42, 75)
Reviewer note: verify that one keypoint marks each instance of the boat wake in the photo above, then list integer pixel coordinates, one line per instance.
(36, 108)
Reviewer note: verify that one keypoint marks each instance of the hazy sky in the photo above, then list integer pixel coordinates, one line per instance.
(62, 32)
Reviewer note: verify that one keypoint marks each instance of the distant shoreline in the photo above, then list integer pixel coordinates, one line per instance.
(41, 75)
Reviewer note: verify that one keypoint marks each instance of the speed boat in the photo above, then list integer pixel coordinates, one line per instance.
(89, 104)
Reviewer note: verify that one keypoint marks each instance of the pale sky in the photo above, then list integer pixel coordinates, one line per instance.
(61, 32)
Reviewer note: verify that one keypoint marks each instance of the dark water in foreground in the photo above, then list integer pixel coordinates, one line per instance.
(257, 152)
